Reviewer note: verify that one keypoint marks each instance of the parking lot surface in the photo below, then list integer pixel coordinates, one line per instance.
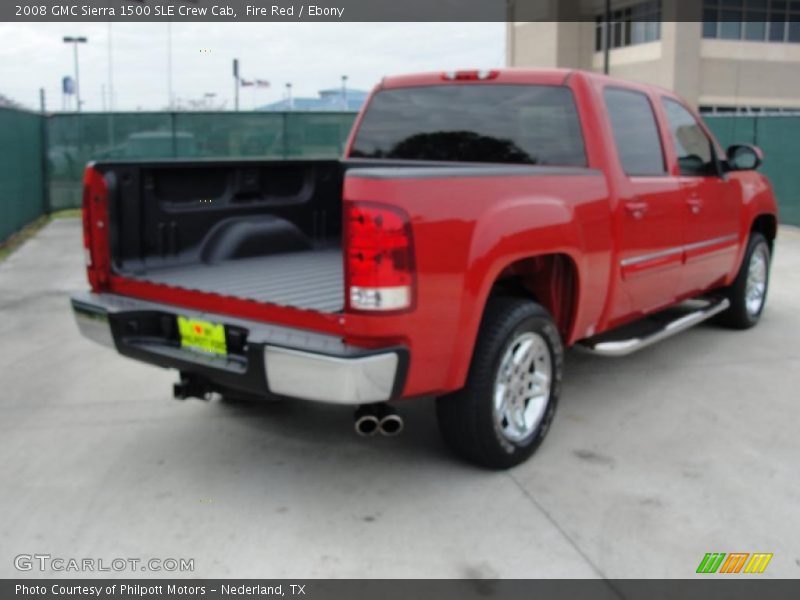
(688, 447)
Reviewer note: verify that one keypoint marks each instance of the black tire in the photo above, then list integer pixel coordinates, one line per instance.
(466, 417)
(738, 316)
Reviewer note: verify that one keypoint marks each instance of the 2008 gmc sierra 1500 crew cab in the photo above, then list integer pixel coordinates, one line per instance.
(479, 223)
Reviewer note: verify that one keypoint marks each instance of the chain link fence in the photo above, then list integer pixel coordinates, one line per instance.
(779, 137)
(22, 177)
(42, 158)
(74, 140)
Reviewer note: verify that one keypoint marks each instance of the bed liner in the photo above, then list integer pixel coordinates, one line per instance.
(311, 279)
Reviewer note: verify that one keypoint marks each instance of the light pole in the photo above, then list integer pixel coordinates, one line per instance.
(607, 39)
(110, 72)
(236, 83)
(75, 41)
(169, 66)
(290, 103)
(344, 92)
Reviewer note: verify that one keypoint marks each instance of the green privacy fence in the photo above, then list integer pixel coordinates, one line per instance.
(75, 139)
(21, 175)
(42, 158)
(779, 137)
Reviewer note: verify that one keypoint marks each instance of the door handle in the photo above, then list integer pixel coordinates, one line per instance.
(636, 209)
(695, 204)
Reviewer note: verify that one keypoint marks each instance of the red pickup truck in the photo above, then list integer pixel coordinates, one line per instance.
(479, 223)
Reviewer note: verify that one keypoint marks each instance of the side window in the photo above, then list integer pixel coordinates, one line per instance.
(635, 132)
(693, 147)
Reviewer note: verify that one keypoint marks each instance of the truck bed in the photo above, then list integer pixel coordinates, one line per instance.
(269, 231)
(310, 279)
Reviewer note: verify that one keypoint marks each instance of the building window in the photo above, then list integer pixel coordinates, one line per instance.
(635, 24)
(752, 20)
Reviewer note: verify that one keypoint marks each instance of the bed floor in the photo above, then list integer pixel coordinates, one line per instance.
(312, 279)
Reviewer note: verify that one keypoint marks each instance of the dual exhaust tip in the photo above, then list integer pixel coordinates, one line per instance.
(371, 419)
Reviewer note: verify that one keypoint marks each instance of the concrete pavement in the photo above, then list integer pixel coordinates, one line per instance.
(688, 447)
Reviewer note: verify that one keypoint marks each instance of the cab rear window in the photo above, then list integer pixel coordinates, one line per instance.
(524, 124)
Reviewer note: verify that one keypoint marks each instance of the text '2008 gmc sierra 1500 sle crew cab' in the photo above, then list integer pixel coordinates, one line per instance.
(479, 223)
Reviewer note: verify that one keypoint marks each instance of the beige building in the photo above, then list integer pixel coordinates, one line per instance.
(720, 55)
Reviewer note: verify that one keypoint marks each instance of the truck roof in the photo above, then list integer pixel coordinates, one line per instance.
(508, 75)
(513, 75)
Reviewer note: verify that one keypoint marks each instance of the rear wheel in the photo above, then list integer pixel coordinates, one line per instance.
(505, 409)
(748, 292)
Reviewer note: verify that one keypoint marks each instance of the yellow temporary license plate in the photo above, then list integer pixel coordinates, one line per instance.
(202, 336)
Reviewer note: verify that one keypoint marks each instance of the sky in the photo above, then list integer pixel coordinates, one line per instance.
(312, 56)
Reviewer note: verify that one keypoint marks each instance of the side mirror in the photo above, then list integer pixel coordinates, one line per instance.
(744, 157)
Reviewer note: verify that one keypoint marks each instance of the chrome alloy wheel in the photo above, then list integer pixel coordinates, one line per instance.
(756, 287)
(522, 387)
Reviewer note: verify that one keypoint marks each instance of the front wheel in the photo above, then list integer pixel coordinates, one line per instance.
(748, 292)
(505, 409)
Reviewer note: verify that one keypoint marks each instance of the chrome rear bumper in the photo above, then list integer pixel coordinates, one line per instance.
(93, 324)
(328, 378)
(272, 360)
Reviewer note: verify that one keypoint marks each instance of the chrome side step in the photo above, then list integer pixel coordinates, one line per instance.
(603, 346)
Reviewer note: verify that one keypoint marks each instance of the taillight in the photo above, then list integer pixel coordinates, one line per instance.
(87, 233)
(379, 258)
(95, 228)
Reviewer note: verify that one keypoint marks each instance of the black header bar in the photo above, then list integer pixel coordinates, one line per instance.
(710, 587)
(356, 10)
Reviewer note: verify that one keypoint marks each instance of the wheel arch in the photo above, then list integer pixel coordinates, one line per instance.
(545, 278)
(551, 280)
(767, 225)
